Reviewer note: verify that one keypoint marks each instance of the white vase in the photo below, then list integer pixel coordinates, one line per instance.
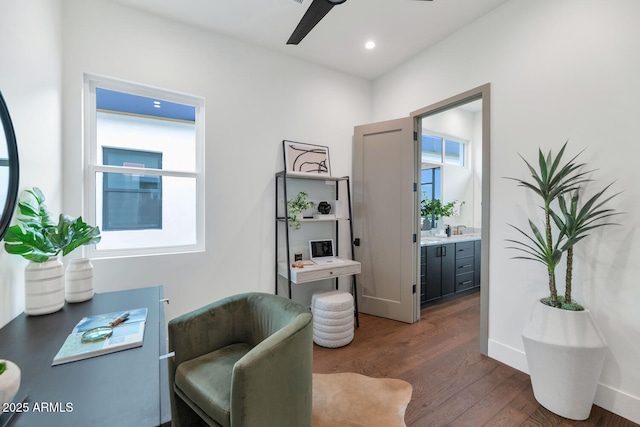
(565, 352)
(79, 280)
(9, 383)
(43, 287)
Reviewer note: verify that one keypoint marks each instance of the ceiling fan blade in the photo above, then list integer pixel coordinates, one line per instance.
(313, 15)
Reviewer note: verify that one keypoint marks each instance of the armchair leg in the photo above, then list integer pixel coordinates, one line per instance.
(184, 416)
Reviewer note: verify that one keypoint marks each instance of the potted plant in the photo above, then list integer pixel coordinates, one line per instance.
(37, 238)
(296, 206)
(433, 209)
(565, 350)
(9, 381)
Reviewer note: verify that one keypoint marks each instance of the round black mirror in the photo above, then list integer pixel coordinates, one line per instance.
(9, 168)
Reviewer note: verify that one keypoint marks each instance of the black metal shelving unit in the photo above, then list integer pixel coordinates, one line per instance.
(282, 220)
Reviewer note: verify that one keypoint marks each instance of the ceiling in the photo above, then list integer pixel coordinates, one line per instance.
(400, 28)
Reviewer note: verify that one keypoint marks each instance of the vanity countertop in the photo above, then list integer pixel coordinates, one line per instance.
(432, 240)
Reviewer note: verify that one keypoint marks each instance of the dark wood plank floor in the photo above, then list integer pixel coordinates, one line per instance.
(453, 384)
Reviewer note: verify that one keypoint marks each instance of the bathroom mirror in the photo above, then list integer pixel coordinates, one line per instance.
(9, 168)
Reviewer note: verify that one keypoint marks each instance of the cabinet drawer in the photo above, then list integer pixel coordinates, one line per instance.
(464, 265)
(464, 282)
(464, 249)
(321, 272)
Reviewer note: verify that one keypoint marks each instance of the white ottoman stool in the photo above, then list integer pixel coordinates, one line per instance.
(332, 318)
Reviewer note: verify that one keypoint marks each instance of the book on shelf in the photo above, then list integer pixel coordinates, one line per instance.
(126, 335)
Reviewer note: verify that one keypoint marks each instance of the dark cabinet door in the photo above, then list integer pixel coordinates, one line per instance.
(448, 259)
(440, 276)
(476, 263)
(434, 272)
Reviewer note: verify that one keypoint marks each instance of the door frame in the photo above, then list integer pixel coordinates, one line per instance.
(484, 93)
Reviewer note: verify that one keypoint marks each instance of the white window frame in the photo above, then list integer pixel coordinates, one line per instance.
(444, 136)
(93, 81)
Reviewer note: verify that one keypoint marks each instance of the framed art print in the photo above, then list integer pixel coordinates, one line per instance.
(305, 159)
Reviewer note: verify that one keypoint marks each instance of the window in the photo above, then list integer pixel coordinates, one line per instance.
(131, 202)
(144, 155)
(443, 149)
(430, 183)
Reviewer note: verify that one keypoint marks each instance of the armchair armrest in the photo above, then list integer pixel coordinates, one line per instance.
(282, 362)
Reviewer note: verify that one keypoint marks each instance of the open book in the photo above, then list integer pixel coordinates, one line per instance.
(128, 334)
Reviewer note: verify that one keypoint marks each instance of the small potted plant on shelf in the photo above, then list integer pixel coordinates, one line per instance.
(562, 333)
(296, 206)
(39, 239)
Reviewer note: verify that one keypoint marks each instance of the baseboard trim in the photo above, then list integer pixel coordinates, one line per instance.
(618, 402)
(607, 397)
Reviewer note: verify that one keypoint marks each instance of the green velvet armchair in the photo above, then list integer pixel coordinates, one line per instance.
(244, 361)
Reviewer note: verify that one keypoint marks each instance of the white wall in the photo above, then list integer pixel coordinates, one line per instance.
(254, 98)
(558, 71)
(30, 81)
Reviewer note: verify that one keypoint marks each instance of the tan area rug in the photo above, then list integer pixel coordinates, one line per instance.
(354, 400)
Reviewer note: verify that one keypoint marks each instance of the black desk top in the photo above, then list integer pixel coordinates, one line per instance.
(118, 389)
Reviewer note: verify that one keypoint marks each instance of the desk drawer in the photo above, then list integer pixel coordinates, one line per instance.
(317, 272)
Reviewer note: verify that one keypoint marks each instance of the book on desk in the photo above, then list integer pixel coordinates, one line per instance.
(126, 335)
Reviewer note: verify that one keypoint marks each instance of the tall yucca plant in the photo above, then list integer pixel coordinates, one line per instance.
(576, 223)
(551, 181)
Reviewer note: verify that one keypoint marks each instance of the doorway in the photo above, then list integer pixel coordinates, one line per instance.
(464, 174)
(387, 220)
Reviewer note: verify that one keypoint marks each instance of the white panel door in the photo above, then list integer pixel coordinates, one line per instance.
(385, 210)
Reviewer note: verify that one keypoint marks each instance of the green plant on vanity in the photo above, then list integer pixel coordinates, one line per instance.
(561, 183)
(37, 237)
(296, 206)
(3, 367)
(434, 209)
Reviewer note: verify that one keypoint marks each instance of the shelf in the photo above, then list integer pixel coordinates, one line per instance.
(311, 273)
(290, 175)
(317, 219)
(335, 221)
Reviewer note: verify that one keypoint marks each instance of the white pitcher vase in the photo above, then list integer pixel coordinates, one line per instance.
(43, 287)
(79, 280)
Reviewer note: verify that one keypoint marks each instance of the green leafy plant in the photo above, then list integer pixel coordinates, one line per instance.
(552, 181)
(296, 206)
(434, 209)
(3, 367)
(37, 237)
(576, 222)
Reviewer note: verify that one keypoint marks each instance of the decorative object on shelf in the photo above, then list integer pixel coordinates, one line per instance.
(9, 381)
(561, 333)
(324, 208)
(305, 159)
(79, 280)
(37, 238)
(296, 206)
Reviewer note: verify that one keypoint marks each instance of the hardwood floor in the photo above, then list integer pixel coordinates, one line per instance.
(453, 384)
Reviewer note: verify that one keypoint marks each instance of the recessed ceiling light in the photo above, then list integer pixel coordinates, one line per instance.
(370, 45)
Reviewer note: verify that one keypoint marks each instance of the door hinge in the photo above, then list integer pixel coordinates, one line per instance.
(414, 289)
(415, 187)
(415, 238)
(415, 135)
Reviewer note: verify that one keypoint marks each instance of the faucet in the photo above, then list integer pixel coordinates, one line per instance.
(459, 229)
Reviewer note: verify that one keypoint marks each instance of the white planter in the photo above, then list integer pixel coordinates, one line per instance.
(9, 383)
(565, 352)
(43, 287)
(79, 280)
